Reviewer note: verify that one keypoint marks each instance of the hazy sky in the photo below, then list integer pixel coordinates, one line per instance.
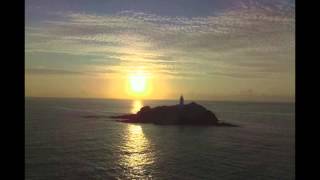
(205, 49)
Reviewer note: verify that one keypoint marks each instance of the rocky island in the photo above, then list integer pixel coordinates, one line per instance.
(180, 114)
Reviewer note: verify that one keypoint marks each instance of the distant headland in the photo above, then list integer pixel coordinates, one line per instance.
(180, 114)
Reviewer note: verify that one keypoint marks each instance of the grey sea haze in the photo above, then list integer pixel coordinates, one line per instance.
(60, 143)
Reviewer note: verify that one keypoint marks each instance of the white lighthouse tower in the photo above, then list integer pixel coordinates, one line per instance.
(181, 101)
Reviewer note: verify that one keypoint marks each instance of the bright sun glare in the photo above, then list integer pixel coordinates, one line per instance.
(138, 83)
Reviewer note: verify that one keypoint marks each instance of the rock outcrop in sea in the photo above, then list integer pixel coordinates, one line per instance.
(188, 114)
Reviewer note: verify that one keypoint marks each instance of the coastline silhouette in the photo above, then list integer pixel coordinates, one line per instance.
(180, 114)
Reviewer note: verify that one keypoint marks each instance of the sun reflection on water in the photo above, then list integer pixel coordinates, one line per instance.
(136, 106)
(137, 153)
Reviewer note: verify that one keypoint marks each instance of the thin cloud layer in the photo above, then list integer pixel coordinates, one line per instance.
(250, 40)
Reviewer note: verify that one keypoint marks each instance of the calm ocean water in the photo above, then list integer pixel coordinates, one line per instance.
(61, 144)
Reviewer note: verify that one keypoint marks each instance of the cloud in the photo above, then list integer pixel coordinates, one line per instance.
(50, 71)
(254, 39)
(46, 71)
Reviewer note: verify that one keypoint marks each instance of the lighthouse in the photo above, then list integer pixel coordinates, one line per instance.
(181, 101)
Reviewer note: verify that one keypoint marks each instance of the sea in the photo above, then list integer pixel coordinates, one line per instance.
(61, 142)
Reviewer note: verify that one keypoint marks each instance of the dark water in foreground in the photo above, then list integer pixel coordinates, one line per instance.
(61, 144)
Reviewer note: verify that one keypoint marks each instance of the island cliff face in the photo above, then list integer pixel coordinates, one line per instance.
(188, 114)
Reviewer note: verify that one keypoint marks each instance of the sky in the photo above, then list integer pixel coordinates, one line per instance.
(233, 50)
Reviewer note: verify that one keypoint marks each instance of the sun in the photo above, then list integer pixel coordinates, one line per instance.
(137, 83)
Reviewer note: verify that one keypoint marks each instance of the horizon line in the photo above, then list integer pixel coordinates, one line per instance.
(150, 99)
